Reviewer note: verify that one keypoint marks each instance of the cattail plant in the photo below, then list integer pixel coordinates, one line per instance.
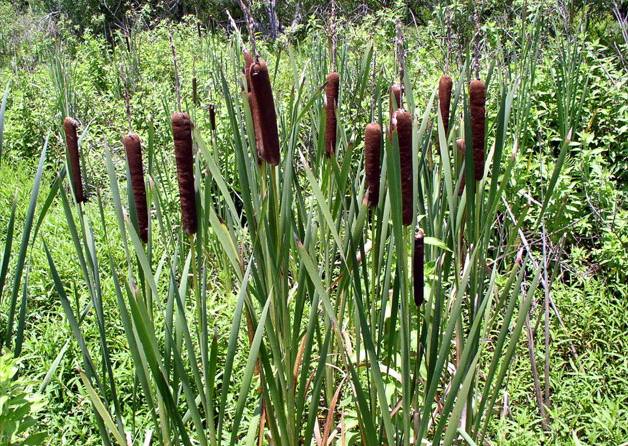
(248, 62)
(477, 100)
(133, 148)
(461, 147)
(372, 150)
(71, 141)
(194, 91)
(265, 104)
(402, 124)
(418, 267)
(444, 98)
(182, 132)
(332, 88)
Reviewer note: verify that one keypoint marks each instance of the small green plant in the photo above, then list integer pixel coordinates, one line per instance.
(18, 407)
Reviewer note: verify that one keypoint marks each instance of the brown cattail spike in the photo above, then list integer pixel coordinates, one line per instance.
(402, 124)
(257, 128)
(461, 147)
(182, 131)
(133, 148)
(71, 141)
(477, 100)
(260, 83)
(418, 267)
(212, 116)
(372, 151)
(331, 93)
(444, 98)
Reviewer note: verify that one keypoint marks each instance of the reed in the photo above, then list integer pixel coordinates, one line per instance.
(332, 88)
(260, 83)
(255, 114)
(133, 149)
(477, 100)
(402, 124)
(182, 132)
(71, 140)
(372, 154)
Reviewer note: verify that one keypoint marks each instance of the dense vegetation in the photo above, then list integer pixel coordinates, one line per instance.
(291, 309)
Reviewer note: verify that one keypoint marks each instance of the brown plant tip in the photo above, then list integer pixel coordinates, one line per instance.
(395, 98)
(402, 124)
(71, 141)
(133, 149)
(461, 147)
(477, 100)
(445, 85)
(260, 84)
(418, 267)
(372, 153)
(257, 128)
(332, 87)
(182, 132)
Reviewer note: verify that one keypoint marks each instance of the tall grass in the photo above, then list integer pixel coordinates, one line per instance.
(325, 318)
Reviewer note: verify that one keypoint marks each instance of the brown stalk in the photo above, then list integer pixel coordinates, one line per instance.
(331, 93)
(445, 85)
(372, 153)
(71, 141)
(477, 100)
(402, 124)
(182, 131)
(133, 148)
(260, 82)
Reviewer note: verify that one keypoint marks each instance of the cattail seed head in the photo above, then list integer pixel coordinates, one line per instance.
(133, 149)
(418, 267)
(260, 83)
(71, 141)
(477, 100)
(212, 116)
(402, 124)
(461, 147)
(372, 151)
(194, 91)
(444, 98)
(332, 88)
(182, 132)
(257, 128)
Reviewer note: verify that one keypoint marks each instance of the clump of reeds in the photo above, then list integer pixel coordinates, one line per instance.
(332, 88)
(372, 149)
(71, 140)
(402, 124)
(182, 132)
(133, 149)
(461, 147)
(418, 267)
(477, 100)
(261, 88)
(445, 85)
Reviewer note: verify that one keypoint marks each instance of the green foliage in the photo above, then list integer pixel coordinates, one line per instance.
(19, 407)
